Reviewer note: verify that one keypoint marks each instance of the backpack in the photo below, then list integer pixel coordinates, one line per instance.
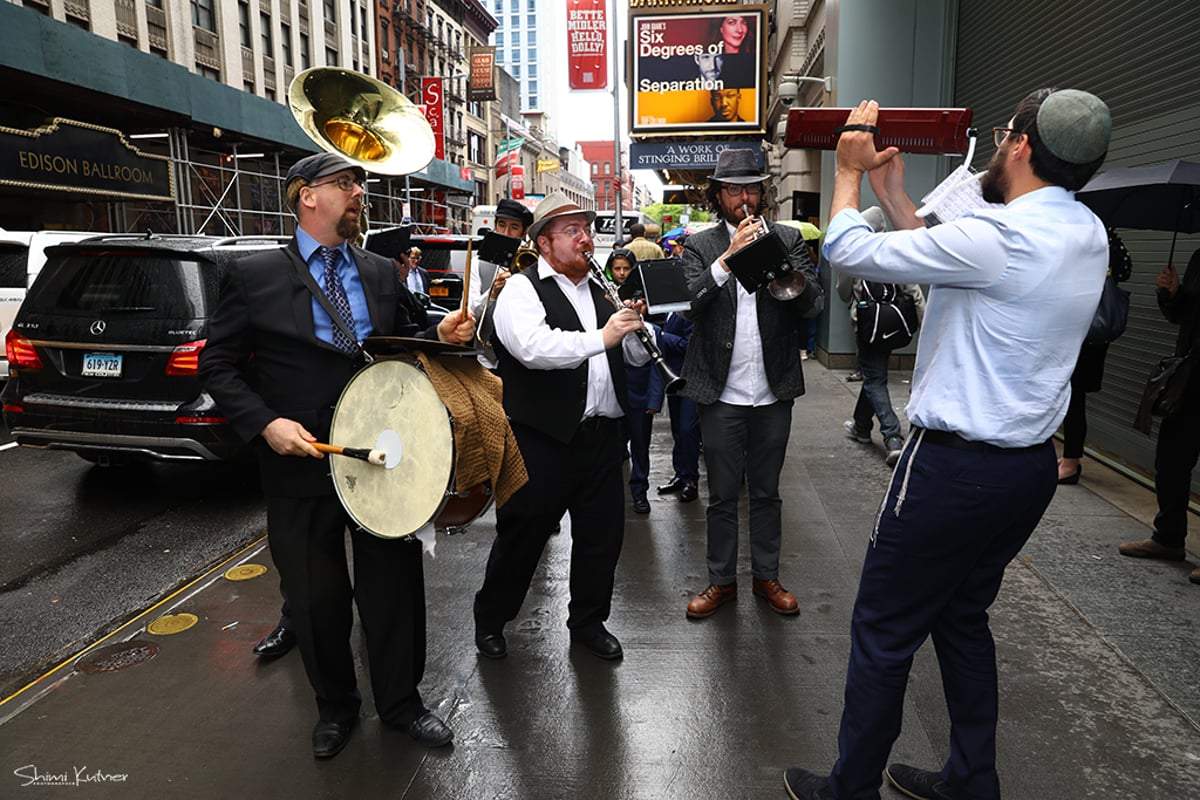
(887, 317)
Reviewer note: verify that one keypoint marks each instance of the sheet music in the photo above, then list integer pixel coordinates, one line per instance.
(959, 193)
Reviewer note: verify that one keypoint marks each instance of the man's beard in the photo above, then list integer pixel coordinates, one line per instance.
(348, 227)
(995, 182)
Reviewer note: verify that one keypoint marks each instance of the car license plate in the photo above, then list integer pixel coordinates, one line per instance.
(101, 365)
(439, 291)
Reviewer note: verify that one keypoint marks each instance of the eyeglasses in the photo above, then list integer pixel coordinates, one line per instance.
(343, 182)
(572, 231)
(1000, 134)
(737, 190)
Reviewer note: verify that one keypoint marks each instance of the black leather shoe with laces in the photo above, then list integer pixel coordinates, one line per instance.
(922, 784)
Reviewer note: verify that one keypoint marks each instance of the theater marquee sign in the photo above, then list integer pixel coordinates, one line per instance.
(70, 156)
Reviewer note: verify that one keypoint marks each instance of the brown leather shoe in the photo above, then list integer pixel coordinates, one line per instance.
(1195, 576)
(1148, 548)
(707, 602)
(780, 599)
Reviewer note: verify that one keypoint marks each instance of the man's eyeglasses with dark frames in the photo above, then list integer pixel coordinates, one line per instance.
(737, 189)
(343, 182)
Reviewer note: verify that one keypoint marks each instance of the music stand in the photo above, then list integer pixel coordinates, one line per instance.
(496, 248)
(662, 283)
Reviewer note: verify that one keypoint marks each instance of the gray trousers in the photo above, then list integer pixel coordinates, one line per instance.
(749, 442)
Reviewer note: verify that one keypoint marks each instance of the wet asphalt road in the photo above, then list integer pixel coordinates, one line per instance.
(86, 547)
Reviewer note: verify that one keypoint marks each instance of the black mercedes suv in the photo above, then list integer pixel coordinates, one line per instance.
(104, 350)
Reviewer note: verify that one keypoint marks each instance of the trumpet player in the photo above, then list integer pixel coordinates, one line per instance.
(487, 279)
(743, 370)
(562, 348)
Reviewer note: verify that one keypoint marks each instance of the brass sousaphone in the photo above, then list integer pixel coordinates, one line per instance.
(362, 119)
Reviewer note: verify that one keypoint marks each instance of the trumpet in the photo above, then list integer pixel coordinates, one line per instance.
(672, 382)
(525, 257)
(788, 284)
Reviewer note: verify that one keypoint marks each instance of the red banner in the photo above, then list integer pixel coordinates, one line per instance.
(431, 93)
(517, 184)
(466, 174)
(587, 44)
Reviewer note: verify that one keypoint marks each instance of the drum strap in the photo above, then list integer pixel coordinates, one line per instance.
(311, 284)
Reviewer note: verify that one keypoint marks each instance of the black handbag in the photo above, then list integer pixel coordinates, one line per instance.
(1112, 314)
(1166, 391)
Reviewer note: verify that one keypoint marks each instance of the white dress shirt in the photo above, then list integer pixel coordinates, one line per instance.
(1013, 291)
(522, 329)
(746, 384)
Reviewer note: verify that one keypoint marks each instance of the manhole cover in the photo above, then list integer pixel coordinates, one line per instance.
(116, 657)
(172, 623)
(244, 572)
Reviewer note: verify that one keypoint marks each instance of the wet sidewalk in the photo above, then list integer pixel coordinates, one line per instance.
(1097, 656)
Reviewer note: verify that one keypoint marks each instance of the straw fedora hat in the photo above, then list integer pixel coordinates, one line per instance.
(554, 205)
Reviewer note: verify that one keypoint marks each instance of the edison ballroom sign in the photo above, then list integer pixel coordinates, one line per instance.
(70, 156)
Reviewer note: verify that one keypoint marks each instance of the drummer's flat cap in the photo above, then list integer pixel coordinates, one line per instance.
(314, 167)
(1075, 126)
(511, 209)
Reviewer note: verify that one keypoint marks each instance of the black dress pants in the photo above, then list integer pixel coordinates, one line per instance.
(308, 543)
(582, 477)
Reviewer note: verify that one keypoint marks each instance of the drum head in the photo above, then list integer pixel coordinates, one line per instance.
(386, 403)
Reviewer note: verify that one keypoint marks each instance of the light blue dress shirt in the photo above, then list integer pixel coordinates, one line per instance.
(1013, 292)
(351, 282)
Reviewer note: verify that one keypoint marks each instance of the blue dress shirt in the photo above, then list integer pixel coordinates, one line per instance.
(351, 282)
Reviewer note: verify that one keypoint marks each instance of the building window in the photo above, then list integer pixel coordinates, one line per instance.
(607, 169)
(533, 101)
(331, 57)
(383, 37)
(305, 52)
(331, 10)
(531, 55)
(595, 169)
(285, 43)
(244, 23)
(532, 87)
(531, 37)
(203, 16)
(268, 46)
(248, 87)
(208, 72)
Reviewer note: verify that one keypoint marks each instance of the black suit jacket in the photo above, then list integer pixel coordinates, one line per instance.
(714, 312)
(263, 359)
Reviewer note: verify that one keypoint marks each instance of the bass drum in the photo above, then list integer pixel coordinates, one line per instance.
(389, 397)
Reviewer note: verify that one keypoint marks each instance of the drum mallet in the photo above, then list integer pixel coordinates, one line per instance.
(377, 457)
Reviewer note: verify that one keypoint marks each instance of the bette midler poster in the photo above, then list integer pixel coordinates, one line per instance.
(697, 71)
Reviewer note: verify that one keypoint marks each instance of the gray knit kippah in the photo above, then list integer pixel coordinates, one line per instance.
(1075, 126)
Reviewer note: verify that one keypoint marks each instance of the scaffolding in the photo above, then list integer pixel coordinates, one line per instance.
(234, 191)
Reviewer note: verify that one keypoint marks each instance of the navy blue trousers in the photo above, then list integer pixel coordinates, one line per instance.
(685, 430)
(949, 524)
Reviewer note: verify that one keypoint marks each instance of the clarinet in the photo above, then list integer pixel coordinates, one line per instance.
(672, 382)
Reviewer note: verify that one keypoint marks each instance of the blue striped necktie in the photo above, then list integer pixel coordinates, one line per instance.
(337, 295)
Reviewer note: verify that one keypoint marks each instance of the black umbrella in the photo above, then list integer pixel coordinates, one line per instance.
(1160, 197)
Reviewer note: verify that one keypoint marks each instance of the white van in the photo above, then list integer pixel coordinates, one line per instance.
(22, 255)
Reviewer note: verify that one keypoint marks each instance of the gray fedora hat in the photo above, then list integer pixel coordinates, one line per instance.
(737, 165)
(555, 204)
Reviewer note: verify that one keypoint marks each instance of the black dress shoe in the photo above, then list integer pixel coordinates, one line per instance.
(670, 488)
(804, 785)
(329, 738)
(641, 505)
(275, 643)
(688, 493)
(602, 643)
(430, 731)
(491, 645)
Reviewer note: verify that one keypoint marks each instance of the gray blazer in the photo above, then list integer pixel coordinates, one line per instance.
(714, 312)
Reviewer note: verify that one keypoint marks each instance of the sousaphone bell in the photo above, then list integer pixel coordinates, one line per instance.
(362, 119)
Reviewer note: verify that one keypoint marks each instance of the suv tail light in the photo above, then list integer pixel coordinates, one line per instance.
(21, 352)
(185, 359)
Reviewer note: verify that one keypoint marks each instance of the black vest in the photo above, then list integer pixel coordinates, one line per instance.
(552, 400)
